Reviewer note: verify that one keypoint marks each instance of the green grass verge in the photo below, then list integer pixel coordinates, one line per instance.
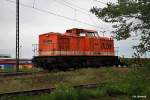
(70, 78)
(132, 82)
(67, 93)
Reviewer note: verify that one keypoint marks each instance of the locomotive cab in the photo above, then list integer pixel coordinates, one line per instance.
(82, 32)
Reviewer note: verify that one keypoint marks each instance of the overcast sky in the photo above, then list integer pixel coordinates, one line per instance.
(34, 22)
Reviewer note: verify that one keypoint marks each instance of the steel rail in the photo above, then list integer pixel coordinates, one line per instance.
(12, 74)
(45, 90)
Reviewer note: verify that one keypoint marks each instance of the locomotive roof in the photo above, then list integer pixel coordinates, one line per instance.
(51, 33)
(79, 31)
(83, 30)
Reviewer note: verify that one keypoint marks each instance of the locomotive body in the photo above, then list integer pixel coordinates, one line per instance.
(74, 49)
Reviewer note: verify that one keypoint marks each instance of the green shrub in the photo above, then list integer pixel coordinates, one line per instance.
(138, 82)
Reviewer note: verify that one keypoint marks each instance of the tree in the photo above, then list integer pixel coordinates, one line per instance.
(129, 18)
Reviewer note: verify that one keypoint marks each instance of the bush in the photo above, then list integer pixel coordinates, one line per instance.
(138, 80)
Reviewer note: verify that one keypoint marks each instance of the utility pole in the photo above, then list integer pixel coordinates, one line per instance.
(17, 35)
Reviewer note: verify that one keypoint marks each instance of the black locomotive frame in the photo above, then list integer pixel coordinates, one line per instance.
(75, 62)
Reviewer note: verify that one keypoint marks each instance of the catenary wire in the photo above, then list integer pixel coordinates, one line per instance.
(73, 7)
(84, 11)
(49, 12)
(100, 2)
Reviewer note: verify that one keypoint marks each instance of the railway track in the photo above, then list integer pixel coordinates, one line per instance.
(13, 74)
(42, 91)
(49, 90)
(7, 74)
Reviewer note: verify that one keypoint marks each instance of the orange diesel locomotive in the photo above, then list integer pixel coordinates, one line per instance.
(74, 49)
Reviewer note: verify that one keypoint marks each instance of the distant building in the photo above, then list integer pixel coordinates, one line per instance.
(5, 56)
(11, 63)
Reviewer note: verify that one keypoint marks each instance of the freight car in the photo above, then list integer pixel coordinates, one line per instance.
(75, 48)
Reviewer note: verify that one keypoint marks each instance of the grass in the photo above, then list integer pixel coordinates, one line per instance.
(52, 79)
(67, 93)
(112, 83)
